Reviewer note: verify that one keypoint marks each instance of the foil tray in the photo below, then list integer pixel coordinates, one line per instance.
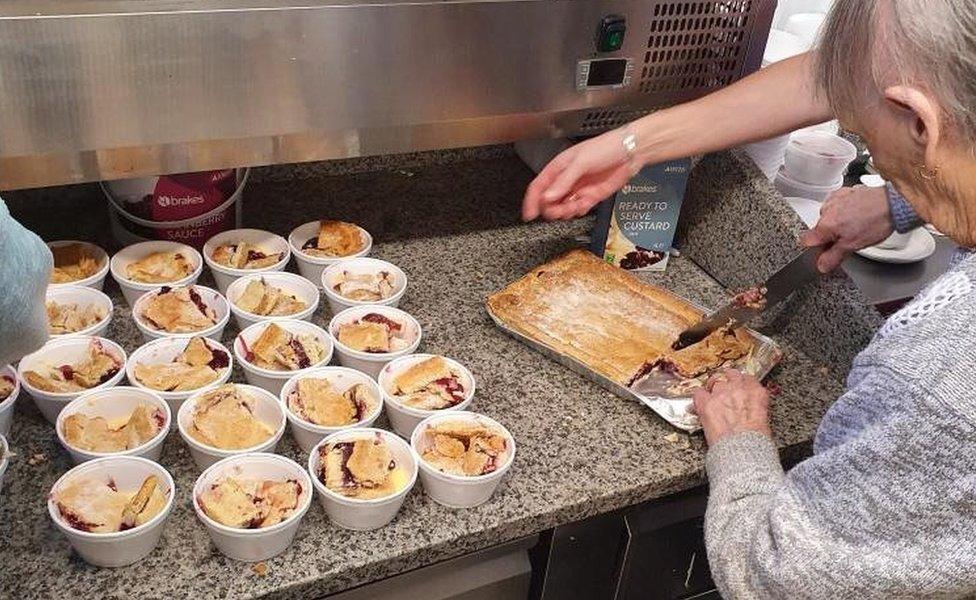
(666, 395)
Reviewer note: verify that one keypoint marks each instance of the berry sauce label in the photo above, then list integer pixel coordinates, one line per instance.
(635, 228)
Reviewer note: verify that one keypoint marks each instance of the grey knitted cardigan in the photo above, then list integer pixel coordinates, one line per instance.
(886, 506)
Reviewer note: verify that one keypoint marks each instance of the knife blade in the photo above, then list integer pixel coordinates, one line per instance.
(795, 274)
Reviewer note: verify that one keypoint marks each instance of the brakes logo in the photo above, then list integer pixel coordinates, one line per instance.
(631, 188)
(166, 201)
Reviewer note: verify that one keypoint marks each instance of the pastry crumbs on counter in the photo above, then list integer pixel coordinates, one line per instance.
(260, 569)
(37, 459)
(678, 440)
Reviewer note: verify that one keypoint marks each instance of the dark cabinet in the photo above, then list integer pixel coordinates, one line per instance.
(654, 551)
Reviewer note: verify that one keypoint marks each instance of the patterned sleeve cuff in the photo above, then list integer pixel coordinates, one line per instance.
(903, 216)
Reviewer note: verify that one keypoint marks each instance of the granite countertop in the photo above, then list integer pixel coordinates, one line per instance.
(454, 229)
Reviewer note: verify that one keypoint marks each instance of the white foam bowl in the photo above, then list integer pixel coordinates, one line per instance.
(266, 408)
(7, 406)
(165, 350)
(4, 458)
(64, 351)
(311, 267)
(132, 290)
(273, 381)
(252, 545)
(368, 362)
(211, 297)
(791, 188)
(111, 404)
(405, 418)
(93, 281)
(83, 297)
(123, 547)
(301, 288)
(265, 240)
(308, 434)
(361, 266)
(454, 491)
(354, 513)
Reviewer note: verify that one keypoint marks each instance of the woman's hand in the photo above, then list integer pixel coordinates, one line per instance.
(732, 402)
(850, 219)
(579, 178)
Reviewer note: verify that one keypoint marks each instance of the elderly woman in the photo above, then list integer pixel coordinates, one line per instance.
(886, 506)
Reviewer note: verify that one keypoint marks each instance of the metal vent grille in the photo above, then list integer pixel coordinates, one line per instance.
(602, 120)
(696, 46)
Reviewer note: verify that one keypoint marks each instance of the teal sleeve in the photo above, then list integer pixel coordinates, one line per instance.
(25, 267)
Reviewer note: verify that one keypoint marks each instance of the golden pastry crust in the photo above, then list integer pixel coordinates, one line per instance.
(96, 434)
(259, 298)
(245, 256)
(159, 267)
(336, 238)
(609, 320)
(98, 507)
(71, 317)
(72, 262)
(224, 418)
(420, 374)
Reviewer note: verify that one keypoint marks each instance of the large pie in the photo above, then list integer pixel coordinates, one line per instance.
(611, 321)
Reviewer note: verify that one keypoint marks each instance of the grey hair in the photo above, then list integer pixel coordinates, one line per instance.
(930, 44)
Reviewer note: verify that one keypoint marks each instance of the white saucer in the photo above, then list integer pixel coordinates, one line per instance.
(920, 245)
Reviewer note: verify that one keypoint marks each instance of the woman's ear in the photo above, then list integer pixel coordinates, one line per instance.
(922, 118)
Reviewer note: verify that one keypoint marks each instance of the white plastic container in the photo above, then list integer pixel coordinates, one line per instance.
(354, 513)
(252, 545)
(123, 547)
(65, 351)
(266, 409)
(273, 381)
(311, 267)
(111, 404)
(456, 491)
(93, 281)
(4, 458)
(82, 296)
(265, 240)
(132, 290)
(790, 188)
(211, 297)
(163, 351)
(817, 158)
(297, 285)
(368, 362)
(405, 419)
(361, 266)
(308, 434)
(7, 406)
(806, 26)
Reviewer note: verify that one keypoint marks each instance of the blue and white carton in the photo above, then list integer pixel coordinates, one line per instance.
(635, 228)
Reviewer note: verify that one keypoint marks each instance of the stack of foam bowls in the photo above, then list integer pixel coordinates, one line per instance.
(211, 297)
(308, 434)
(372, 363)
(7, 406)
(266, 409)
(112, 405)
(164, 351)
(122, 547)
(456, 491)
(97, 280)
(83, 296)
(301, 288)
(405, 419)
(269, 379)
(133, 290)
(814, 165)
(361, 266)
(311, 267)
(68, 350)
(264, 240)
(355, 513)
(252, 545)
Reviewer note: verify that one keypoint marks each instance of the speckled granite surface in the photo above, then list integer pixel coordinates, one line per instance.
(454, 229)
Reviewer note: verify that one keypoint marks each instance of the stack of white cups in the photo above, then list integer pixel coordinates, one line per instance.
(814, 164)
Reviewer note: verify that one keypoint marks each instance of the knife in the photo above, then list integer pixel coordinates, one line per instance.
(797, 273)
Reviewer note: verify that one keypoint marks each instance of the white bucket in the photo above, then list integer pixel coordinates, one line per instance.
(129, 229)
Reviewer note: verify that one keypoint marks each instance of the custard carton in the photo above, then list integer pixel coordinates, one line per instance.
(635, 228)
